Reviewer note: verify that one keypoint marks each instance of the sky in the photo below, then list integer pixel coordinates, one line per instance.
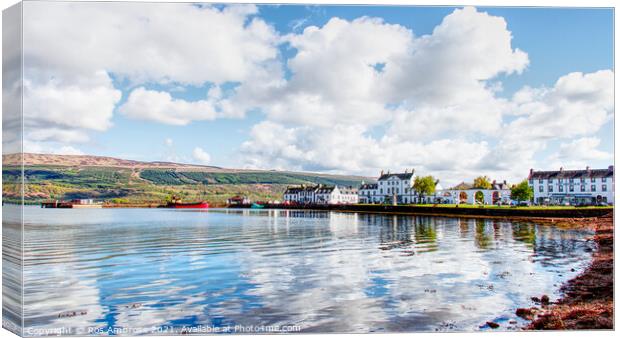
(454, 92)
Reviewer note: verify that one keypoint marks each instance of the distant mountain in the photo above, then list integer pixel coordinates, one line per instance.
(31, 159)
(82, 176)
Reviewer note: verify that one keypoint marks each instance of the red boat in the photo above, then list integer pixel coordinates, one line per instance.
(196, 205)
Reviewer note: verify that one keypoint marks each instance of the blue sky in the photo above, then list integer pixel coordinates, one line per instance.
(557, 41)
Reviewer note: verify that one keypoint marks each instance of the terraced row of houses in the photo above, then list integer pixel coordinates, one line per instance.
(587, 186)
(321, 194)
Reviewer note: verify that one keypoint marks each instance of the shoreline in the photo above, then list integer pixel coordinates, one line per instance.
(449, 211)
(588, 299)
(543, 214)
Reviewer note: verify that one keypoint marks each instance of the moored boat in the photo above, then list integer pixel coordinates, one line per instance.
(195, 205)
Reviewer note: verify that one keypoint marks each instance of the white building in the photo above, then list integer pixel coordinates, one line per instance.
(392, 188)
(321, 194)
(368, 193)
(292, 194)
(587, 186)
(466, 194)
(307, 194)
(397, 188)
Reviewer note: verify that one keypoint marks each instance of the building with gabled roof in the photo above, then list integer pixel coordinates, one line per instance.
(321, 194)
(584, 186)
(392, 188)
(368, 193)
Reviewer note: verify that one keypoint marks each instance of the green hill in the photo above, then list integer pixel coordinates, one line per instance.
(123, 181)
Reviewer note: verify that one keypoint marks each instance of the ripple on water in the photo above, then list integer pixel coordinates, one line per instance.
(326, 272)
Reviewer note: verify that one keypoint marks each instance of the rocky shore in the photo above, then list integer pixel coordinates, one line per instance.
(588, 298)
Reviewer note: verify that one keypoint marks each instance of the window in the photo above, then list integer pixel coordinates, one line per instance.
(593, 179)
(592, 187)
(583, 180)
(604, 187)
(550, 180)
(540, 181)
(531, 182)
(559, 180)
(570, 180)
(541, 189)
(381, 191)
(550, 188)
(571, 188)
(604, 179)
(561, 188)
(583, 188)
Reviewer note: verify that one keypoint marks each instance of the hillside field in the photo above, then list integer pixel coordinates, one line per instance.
(129, 182)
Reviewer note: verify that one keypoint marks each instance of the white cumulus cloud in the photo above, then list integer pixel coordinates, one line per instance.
(72, 50)
(580, 153)
(160, 106)
(201, 156)
(579, 104)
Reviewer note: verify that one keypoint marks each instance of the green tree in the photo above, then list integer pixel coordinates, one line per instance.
(482, 182)
(479, 197)
(424, 185)
(521, 191)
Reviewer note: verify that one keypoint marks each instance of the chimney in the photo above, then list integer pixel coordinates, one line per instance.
(505, 182)
(406, 171)
(588, 169)
(610, 168)
(381, 172)
(561, 169)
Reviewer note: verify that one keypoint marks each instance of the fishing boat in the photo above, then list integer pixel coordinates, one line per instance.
(177, 204)
(257, 206)
(195, 205)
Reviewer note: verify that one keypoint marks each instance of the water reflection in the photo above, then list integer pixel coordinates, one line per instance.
(325, 272)
(482, 238)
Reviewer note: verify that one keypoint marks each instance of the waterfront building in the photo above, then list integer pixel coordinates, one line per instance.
(321, 194)
(396, 188)
(368, 193)
(292, 194)
(306, 194)
(585, 186)
(391, 188)
(465, 193)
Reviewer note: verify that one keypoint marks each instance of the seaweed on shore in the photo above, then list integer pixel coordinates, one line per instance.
(588, 298)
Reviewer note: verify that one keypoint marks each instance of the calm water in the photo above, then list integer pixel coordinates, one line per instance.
(164, 271)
